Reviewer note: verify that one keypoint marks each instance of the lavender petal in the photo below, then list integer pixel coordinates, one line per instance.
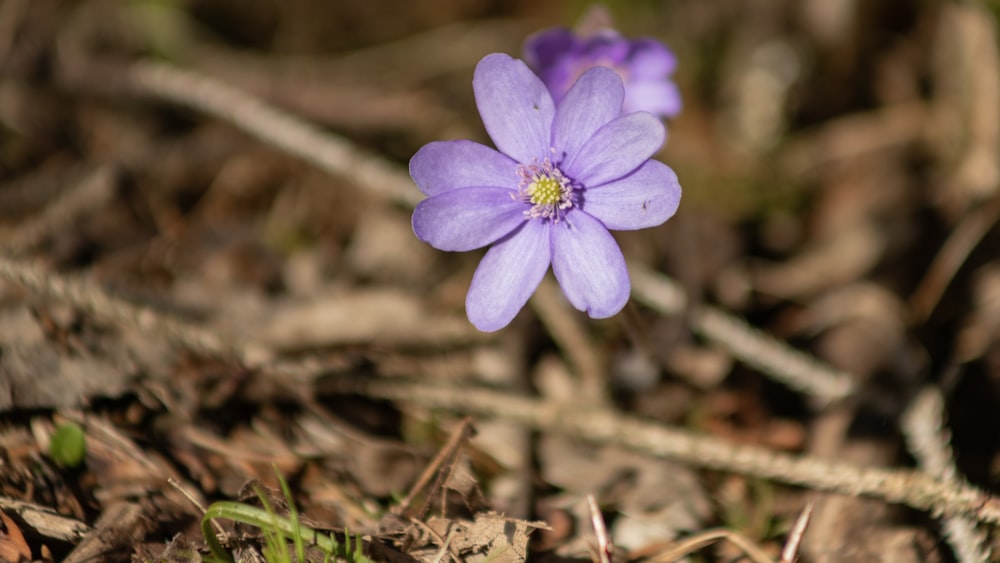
(546, 48)
(468, 218)
(650, 59)
(594, 101)
(515, 105)
(645, 198)
(507, 276)
(589, 265)
(660, 97)
(617, 149)
(442, 166)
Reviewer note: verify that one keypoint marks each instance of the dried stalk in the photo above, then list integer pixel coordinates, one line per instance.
(964, 238)
(45, 521)
(790, 553)
(605, 545)
(749, 345)
(323, 149)
(928, 439)
(912, 488)
(327, 151)
(968, 81)
(690, 545)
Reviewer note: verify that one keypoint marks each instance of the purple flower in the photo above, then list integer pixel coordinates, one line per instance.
(561, 177)
(559, 56)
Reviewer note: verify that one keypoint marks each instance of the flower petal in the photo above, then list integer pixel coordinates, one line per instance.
(592, 102)
(648, 58)
(468, 218)
(589, 265)
(515, 105)
(546, 48)
(554, 56)
(645, 198)
(660, 97)
(508, 275)
(606, 48)
(447, 165)
(617, 149)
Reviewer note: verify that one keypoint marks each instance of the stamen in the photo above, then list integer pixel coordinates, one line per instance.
(547, 189)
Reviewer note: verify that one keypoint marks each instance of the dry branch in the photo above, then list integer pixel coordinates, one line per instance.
(776, 359)
(912, 488)
(325, 150)
(45, 521)
(923, 425)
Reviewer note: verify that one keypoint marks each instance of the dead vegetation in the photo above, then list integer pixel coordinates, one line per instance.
(206, 266)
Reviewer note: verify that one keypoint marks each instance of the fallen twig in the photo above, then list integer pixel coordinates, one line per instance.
(912, 488)
(783, 363)
(45, 521)
(323, 149)
(925, 432)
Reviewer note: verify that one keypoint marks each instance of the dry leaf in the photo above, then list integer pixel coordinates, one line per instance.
(656, 499)
(41, 376)
(492, 537)
(13, 548)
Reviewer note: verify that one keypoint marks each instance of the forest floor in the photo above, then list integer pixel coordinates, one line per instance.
(215, 320)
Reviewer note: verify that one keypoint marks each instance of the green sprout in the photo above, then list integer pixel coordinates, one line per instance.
(278, 531)
(68, 445)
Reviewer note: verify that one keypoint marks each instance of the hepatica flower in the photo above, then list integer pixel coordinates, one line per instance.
(561, 177)
(559, 56)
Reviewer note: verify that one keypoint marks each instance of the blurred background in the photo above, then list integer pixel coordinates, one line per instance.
(840, 161)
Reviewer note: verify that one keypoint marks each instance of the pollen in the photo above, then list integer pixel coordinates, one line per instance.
(549, 192)
(545, 190)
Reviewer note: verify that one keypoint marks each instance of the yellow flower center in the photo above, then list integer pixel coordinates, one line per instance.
(545, 190)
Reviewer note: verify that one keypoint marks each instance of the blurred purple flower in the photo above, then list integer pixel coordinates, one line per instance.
(559, 56)
(561, 177)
